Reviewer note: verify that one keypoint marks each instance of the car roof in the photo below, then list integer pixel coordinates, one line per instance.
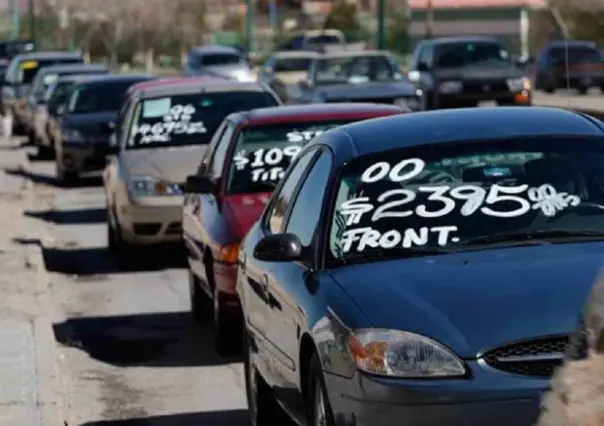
(353, 53)
(477, 124)
(193, 85)
(113, 78)
(215, 48)
(296, 54)
(460, 39)
(571, 43)
(314, 112)
(47, 55)
(73, 67)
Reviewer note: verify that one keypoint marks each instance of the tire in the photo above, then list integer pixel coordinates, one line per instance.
(226, 327)
(201, 305)
(319, 411)
(263, 409)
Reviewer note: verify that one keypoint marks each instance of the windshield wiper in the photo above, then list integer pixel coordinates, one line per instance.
(540, 236)
(395, 253)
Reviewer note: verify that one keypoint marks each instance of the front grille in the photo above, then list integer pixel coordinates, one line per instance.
(475, 87)
(174, 228)
(537, 358)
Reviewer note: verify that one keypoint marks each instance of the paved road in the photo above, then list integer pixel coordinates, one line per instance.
(129, 347)
(594, 100)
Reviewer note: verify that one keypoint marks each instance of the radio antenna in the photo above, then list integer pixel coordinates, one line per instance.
(566, 34)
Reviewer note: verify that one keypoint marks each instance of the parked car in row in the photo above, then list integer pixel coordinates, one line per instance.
(86, 121)
(19, 77)
(242, 166)
(282, 71)
(163, 131)
(219, 61)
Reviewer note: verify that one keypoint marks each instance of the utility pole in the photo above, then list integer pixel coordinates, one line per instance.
(381, 21)
(429, 19)
(249, 26)
(16, 19)
(32, 21)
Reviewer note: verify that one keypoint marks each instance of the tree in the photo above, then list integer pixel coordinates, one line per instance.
(344, 17)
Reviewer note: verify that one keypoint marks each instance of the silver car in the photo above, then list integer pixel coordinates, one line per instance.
(167, 129)
(219, 61)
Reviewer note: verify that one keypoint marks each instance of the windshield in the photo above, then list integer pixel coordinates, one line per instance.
(324, 39)
(446, 196)
(58, 92)
(209, 60)
(576, 54)
(188, 119)
(455, 55)
(45, 79)
(29, 69)
(356, 69)
(292, 64)
(98, 97)
(262, 153)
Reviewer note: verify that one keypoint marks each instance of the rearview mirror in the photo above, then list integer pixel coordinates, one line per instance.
(278, 248)
(199, 185)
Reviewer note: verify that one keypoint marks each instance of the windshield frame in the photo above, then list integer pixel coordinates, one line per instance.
(328, 261)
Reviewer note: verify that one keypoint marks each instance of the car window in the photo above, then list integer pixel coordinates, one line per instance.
(356, 69)
(324, 39)
(281, 200)
(575, 54)
(461, 54)
(189, 119)
(28, 69)
(292, 64)
(60, 93)
(219, 155)
(306, 210)
(425, 56)
(208, 154)
(456, 196)
(89, 98)
(216, 59)
(262, 153)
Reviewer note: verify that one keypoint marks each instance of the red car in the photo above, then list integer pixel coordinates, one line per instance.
(243, 164)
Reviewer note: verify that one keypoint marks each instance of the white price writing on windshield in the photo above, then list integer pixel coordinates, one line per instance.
(264, 163)
(368, 237)
(303, 136)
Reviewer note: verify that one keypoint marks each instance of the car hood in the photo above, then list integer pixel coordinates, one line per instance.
(290, 78)
(480, 72)
(367, 90)
(242, 211)
(173, 164)
(475, 301)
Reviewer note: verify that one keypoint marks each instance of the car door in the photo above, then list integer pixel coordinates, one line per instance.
(290, 284)
(202, 211)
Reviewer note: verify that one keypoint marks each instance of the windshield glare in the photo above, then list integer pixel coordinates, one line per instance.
(98, 97)
(356, 69)
(263, 153)
(188, 119)
(455, 55)
(443, 196)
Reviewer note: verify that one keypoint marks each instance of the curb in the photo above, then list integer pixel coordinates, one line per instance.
(50, 380)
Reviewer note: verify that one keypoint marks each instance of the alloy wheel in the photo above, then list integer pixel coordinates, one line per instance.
(320, 412)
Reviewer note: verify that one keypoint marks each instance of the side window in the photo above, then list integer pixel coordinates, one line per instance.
(425, 56)
(282, 200)
(207, 157)
(217, 162)
(306, 209)
(193, 60)
(298, 43)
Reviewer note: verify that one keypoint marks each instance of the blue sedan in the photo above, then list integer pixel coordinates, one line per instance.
(424, 269)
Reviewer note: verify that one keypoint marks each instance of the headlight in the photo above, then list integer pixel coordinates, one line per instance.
(245, 76)
(73, 136)
(519, 84)
(450, 87)
(146, 186)
(402, 354)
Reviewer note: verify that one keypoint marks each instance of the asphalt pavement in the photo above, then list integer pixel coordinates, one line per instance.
(130, 354)
(592, 101)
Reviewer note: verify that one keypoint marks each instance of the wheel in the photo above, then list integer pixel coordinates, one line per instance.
(319, 411)
(226, 327)
(201, 306)
(263, 409)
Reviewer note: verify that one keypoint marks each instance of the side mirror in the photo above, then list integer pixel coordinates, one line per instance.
(278, 248)
(199, 185)
(423, 67)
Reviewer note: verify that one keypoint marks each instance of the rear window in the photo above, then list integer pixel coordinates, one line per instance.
(324, 39)
(219, 59)
(188, 119)
(262, 153)
(28, 69)
(98, 97)
(292, 64)
(576, 54)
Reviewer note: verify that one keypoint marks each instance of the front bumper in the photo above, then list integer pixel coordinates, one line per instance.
(84, 158)
(488, 398)
(524, 98)
(151, 220)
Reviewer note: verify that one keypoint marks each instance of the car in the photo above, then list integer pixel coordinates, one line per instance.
(432, 273)
(585, 64)
(357, 76)
(220, 61)
(87, 120)
(37, 103)
(18, 79)
(468, 71)
(160, 138)
(227, 195)
(314, 40)
(283, 70)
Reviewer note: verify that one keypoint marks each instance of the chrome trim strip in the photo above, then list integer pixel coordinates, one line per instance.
(554, 356)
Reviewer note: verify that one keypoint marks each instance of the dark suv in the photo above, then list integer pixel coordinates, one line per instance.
(468, 71)
(581, 68)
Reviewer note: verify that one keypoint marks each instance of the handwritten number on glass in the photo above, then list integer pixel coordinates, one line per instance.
(550, 201)
(498, 194)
